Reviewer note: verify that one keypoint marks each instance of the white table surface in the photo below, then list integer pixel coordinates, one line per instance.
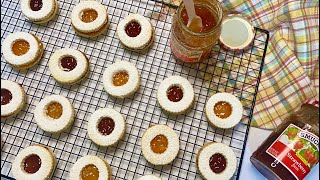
(248, 171)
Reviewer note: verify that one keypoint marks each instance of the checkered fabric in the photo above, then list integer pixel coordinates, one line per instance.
(291, 72)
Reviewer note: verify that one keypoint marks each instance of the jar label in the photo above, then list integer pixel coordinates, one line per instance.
(297, 150)
(184, 53)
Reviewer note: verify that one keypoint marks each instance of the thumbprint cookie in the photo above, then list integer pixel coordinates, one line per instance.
(160, 145)
(13, 98)
(68, 66)
(39, 11)
(54, 114)
(106, 127)
(22, 50)
(34, 162)
(224, 110)
(89, 18)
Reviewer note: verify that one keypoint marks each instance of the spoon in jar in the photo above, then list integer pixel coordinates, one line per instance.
(194, 22)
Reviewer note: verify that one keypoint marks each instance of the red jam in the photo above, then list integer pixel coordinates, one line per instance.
(208, 20)
(159, 144)
(133, 29)
(35, 5)
(32, 164)
(6, 96)
(217, 163)
(175, 94)
(68, 63)
(106, 126)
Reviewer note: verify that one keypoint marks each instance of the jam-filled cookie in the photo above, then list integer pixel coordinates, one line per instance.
(54, 113)
(13, 98)
(106, 127)
(135, 32)
(160, 145)
(149, 177)
(224, 110)
(68, 66)
(175, 95)
(90, 167)
(121, 79)
(34, 162)
(89, 18)
(22, 50)
(216, 161)
(39, 11)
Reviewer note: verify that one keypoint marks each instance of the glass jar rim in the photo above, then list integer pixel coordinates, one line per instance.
(213, 30)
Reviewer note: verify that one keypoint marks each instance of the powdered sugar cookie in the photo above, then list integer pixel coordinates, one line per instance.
(89, 18)
(90, 167)
(39, 11)
(54, 113)
(175, 95)
(135, 32)
(216, 161)
(106, 127)
(22, 50)
(13, 98)
(224, 110)
(160, 145)
(121, 79)
(68, 66)
(34, 162)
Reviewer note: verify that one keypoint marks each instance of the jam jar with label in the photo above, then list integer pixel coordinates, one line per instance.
(194, 44)
(292, 150)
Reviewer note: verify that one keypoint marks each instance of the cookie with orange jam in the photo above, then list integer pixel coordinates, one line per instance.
(90, 167)
(160, 145)
(54, 114)
(89, 18)
(22, 50)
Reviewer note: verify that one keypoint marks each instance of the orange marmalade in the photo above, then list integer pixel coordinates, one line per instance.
(195, 46)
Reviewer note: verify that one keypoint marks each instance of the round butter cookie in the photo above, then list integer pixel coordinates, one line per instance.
(216, 161)
(149, 177)
(54, 114)
(121, 79)
(106, 127)
(22, 50)
(68, 66)
(34, 162)
(135, 32)
(89, 18)
(160, 145)
(13, 98)
(224, 110)
(39, 11)
(90, 167)
(175, 95)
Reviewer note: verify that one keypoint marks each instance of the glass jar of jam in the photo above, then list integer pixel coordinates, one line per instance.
(196, 45)
(292, 150)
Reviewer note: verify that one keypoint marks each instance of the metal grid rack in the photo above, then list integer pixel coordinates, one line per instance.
(226, 71)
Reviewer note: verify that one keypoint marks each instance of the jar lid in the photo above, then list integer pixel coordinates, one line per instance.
(236, 32)
(312, 102)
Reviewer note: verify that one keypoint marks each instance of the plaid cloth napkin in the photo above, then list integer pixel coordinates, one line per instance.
(291, 72)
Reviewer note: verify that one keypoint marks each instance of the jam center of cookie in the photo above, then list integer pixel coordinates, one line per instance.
(121, 78)
(133, 29)
(106, 126)
(89, 15)
(68, 63)
(20, 47)
(175, 94)
(35, 5)
(32, 164)
(90, 172)
(222, 109)
(6, 96)
(217, 163)
(54, 110)
(159, 144)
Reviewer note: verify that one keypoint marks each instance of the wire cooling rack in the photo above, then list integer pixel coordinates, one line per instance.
(226, 71)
